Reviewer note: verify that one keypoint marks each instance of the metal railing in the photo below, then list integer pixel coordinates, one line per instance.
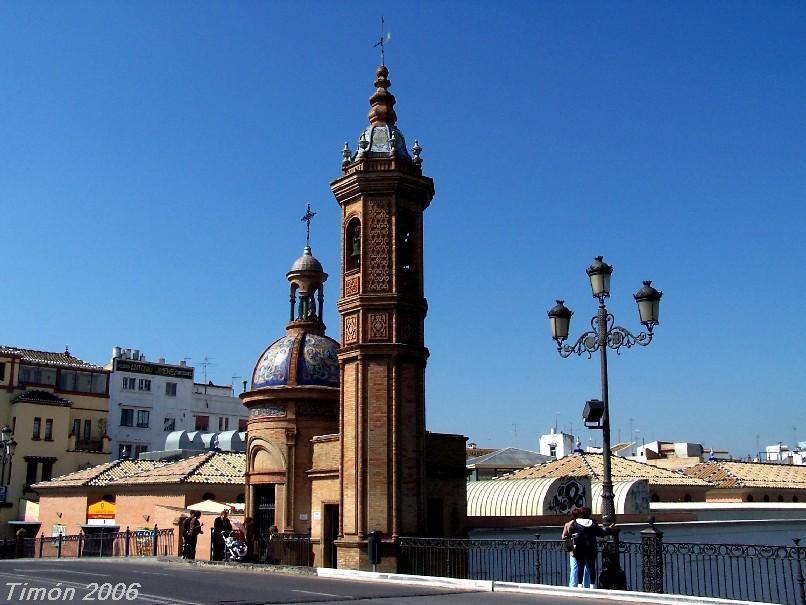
(138, 543)
(286, 549)
(772, 574)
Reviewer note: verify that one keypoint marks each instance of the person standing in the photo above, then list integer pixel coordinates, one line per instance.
(273, 546)
(193, 531)
(250, 535)
(221, 528)
(584, 532)
(569, 546)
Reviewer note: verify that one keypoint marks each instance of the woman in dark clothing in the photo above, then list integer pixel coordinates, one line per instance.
(584, 532)
(221, 528)
(194, 529)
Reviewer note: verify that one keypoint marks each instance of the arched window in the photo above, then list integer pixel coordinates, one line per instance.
(208, 496)
(687, 498)
(352, 244)
(794, 498)
(109, 498)
(655, 498)
(780, 498)
(241, 498)
(750, 497)
(766, 498)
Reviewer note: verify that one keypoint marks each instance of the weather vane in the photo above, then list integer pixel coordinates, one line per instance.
(385, 37)
(307, 219)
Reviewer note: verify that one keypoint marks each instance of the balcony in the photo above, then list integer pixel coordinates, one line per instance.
(89, 445)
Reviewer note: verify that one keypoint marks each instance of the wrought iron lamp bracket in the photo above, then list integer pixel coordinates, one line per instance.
(617, 337)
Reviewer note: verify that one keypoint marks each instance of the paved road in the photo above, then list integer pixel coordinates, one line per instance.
(161, 583)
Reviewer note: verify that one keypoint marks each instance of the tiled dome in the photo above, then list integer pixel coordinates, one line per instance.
(316, 362)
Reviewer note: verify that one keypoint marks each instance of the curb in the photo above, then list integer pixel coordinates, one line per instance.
(625, 596)
(397, 578)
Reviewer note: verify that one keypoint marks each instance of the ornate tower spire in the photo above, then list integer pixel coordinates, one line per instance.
(307, 280)
(382, 101)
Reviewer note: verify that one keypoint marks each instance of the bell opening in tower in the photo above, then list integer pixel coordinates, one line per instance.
(353, 243)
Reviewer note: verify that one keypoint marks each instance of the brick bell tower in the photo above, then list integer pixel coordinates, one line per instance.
(382, 194)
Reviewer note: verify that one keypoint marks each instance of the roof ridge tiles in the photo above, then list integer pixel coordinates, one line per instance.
(205, 458)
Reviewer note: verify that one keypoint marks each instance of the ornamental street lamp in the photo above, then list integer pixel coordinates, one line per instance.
(603, 334)
(7, 447)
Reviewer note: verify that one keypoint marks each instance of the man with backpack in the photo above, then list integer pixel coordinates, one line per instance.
(583, 532)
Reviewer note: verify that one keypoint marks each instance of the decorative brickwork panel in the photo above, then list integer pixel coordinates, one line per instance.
(379, 256)
(352, 285)
(378, 326)
(350, 329)
(377, 448)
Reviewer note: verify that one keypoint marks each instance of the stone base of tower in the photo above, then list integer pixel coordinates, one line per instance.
(352, 554)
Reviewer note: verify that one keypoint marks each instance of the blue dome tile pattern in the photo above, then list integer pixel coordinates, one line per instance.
(318, 362)
(272, 368)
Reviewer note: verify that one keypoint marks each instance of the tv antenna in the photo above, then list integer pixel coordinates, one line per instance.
(208, 361)
(233, 379)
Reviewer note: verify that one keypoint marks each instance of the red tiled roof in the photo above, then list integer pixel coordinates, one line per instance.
(590, 465)
(48, 358)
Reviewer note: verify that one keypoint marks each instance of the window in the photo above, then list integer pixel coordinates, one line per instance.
(83, 382)
(123, 450)
(129, 383)
(49, 429)
(241, 424)
(170, 389)
(553, 450)
(144, 384)
(405, 251)
(37, 375)
(37, 428)
(30, 474)
(139, 449)
(142, 419)
(87, 430)
(202, 423)
(2, 372)
(127, 417)
(47, 471)
(223, 423)
(76, 427)
(169, 424)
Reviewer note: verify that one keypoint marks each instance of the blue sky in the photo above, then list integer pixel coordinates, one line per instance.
(156, 158)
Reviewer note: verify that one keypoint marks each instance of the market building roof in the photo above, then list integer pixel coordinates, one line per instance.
(510, 457)
(100, 475)
(590, 465)
(732, 475)
(210, 467)
(48, 357)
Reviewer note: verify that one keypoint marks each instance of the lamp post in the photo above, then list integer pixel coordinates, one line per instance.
(7, 447)
(603, 334)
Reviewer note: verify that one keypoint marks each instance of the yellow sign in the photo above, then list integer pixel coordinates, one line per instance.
(101, 510)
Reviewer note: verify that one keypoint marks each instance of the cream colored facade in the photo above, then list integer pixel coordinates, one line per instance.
(57, 407)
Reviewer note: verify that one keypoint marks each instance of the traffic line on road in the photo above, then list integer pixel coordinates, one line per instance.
(323, 594)
(62, 570)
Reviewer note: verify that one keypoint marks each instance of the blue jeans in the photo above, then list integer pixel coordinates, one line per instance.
(572, 578)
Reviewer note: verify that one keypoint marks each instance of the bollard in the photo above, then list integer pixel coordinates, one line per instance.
(154, 553)
(374, 548)
(80, 543)
(41, 543)
(59, 551)
(652, 557)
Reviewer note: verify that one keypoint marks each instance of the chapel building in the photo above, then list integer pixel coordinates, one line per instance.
(336, 438)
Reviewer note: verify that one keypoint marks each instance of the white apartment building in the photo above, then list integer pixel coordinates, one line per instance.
(148, 400)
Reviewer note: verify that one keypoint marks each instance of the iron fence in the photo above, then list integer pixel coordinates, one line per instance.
(771, 574)
(143, 543)
(286, 549)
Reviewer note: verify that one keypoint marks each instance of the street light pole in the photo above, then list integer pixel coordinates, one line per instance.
(608, 506)
(603, 334)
